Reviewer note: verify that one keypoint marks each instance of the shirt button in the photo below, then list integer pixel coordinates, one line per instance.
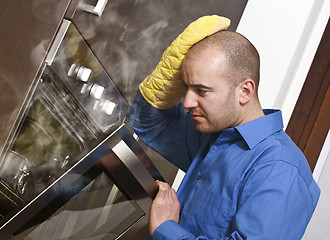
(198, 177)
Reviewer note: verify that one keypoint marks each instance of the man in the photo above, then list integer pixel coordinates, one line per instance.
(245, 178)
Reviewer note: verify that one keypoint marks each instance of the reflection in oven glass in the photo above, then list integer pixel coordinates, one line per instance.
(16, 172)
(100, 209)
(52, 141)
(33, 164)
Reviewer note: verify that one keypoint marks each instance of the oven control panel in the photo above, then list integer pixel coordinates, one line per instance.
(80, 71)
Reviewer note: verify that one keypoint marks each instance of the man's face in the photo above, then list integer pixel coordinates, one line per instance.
(211, 99)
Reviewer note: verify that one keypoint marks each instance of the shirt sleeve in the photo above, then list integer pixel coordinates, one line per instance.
(170, 132)
(171, 230)
(275, 203)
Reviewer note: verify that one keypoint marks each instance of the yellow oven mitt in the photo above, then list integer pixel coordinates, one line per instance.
(163, 88)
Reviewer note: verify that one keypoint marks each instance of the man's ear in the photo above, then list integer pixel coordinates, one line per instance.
(247, 88)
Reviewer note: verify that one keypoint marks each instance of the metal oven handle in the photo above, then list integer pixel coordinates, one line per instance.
(97, 9)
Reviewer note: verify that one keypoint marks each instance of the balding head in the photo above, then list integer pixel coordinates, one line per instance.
(240, 56)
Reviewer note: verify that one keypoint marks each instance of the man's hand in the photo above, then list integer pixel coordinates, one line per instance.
(165, 207)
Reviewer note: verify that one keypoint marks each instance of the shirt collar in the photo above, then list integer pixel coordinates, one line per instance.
(255, 131)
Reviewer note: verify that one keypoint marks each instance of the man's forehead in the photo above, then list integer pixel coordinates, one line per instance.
(201, 48)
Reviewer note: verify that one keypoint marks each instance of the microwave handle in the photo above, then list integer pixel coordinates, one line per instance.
(97, 9)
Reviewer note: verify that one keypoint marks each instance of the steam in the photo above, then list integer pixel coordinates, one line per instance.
(38, 51)
(9, 105)
(131, 36)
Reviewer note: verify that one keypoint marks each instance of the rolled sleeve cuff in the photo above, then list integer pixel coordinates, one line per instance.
(171, 230)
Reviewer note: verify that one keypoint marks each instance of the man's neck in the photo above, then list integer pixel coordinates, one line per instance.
(251, 112)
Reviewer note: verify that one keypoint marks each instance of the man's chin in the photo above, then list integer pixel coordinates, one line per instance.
(202, 128)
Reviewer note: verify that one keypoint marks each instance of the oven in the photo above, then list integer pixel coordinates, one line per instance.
(73, 168)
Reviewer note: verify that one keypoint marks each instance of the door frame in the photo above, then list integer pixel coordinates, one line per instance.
(309, 122)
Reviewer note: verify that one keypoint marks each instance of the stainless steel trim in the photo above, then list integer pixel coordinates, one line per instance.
(127, 156)
(57, 42)
(97, 9)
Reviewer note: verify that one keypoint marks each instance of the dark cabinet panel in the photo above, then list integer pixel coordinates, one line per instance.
(27, 29)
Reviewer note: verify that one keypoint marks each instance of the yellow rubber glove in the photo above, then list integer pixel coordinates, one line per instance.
(163, 88)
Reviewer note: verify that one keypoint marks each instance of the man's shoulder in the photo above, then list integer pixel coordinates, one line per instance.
(279, 151)
(280, 147)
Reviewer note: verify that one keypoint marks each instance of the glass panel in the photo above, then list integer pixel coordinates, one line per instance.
(43, 147)
(41, 159)
(51, 140)
(82, 74)
(100, 209)
(52, 133)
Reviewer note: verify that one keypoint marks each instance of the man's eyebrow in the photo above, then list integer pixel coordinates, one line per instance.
(200, 86)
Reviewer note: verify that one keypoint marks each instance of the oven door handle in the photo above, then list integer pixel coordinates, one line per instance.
(97, 9)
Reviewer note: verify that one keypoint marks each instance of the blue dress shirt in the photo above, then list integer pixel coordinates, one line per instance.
(249, 182)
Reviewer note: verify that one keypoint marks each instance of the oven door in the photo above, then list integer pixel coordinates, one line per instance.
(106, 194)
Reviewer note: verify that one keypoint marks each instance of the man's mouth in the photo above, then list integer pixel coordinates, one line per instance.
(196, 116)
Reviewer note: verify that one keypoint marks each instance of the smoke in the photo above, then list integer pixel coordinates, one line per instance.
(131, 36)
(10, 99)
(39, 50)
(47, 11)
(151, 37)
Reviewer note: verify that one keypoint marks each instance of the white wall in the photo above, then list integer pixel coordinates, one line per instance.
(286, 34)
(318, 227)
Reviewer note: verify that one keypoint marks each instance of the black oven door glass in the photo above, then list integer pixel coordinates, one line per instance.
(98, 210)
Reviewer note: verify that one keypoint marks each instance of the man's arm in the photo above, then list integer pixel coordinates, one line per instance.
(165, 131)
(156, 114)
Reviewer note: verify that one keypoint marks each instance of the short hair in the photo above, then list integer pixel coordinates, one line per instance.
(242, 58)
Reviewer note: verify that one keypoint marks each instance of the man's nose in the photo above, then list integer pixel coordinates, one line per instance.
(190, 100)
